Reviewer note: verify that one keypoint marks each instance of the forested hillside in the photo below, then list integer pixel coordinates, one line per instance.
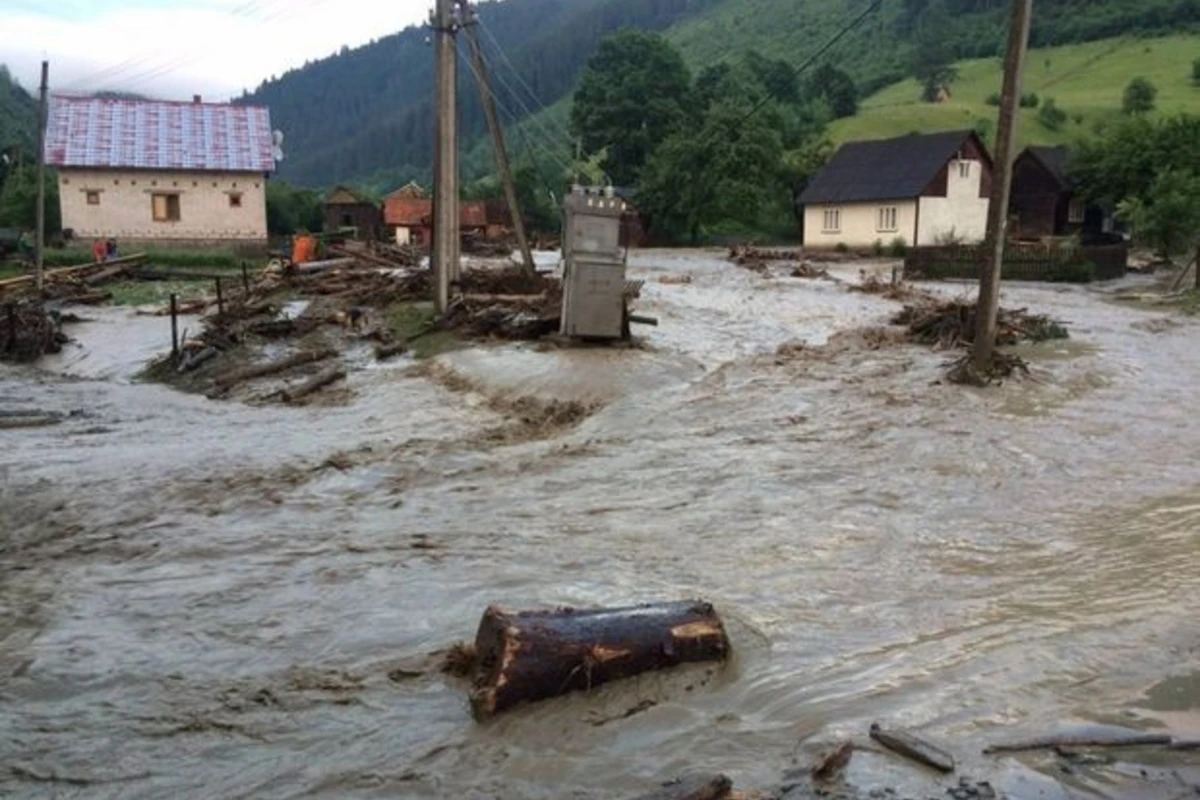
(365, 114)
(18, 115)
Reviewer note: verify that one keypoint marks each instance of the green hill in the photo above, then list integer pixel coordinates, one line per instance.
(18, 115)
(1084, 80)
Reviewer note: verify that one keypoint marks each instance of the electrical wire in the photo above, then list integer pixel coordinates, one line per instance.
(504, 57)
(797, 71)
(501, 106)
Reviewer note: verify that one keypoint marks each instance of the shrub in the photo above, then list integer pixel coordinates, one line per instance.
(877, 248)
(1139, 97)
(841, 247)
(1051, 116)
(993, 99)
(1196, 72)
(898, 248)
(1030, 100)
(1072, 272)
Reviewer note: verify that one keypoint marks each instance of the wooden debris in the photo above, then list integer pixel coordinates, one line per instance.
(806, 270)
(949, 324)
(1185, 744)
(231, 379)
(832, 763)
(316, 383)
(534, 655)
(55, 275)
(30, 421)
(193, 360)
(909, 746)
(385, 351)
(1072, 740)
(28, 331)
(709, 787)
(460, 660)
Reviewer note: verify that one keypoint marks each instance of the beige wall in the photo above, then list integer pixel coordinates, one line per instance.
(859, 224)
(961, 213)
(125, 212)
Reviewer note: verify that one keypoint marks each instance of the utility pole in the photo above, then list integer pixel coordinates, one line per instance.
(499, 149)
(997, 222)
(40, 242)
(445, 177)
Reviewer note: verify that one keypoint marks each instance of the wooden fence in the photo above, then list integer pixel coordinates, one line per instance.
(1059, 262)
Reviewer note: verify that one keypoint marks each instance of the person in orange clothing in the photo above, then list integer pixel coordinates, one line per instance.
(99, 251)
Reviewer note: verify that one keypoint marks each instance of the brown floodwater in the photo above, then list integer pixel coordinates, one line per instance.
(204, 599)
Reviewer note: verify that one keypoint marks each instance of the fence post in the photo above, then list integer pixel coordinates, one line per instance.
(220, 299)
(12, 327)
(246, 278)
(174, 326)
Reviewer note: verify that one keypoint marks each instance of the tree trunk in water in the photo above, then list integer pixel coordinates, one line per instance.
(534, 655)
(715, 787)
(231, 379)
(315, 383)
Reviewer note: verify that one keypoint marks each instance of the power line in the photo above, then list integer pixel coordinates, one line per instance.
(504, 56)
(516, 120)
(808, 62)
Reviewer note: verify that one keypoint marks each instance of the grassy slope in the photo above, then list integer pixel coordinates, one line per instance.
(1086, 79)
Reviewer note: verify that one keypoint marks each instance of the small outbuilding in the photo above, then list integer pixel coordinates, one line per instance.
(348, 208)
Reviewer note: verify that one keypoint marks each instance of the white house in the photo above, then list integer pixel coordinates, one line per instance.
(155, 171)
(923, 189)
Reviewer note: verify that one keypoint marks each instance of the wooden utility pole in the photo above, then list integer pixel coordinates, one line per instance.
(997, 223)
(499, 149)
(40, 242)
(445, 165)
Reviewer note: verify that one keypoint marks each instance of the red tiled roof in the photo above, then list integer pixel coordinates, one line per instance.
(155, 134)
(473, 215)
(407, 211)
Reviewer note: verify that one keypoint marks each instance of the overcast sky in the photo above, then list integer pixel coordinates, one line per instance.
(177, 48)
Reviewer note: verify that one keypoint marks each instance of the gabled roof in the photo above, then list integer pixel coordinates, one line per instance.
(412, 189)
(346, 196)
(400, 209)
(886, 169)
(156, 134)
(1054, 159)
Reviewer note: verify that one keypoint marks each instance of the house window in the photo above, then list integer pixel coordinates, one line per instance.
(833, 220)
(235, 199)
(887, 219)
(165, 207)
(964, 169)
(93, 198)
(1075, 212)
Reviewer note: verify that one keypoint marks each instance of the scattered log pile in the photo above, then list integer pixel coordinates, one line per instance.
(535, 655)
(504, 303)
(951, 324)
(28, 331)
(892, 290)
(73, 285)
(476, 244)
(744, 255)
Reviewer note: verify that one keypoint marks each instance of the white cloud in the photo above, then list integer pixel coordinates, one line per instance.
(174, 50)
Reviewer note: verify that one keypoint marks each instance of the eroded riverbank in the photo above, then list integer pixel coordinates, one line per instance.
(207, 599)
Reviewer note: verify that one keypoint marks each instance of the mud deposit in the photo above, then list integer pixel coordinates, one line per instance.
(204, 599)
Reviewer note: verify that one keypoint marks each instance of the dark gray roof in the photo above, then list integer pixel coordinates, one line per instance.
(886, 169)
(1054, 159)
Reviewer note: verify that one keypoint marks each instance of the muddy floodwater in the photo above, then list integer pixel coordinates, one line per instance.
(207, 599)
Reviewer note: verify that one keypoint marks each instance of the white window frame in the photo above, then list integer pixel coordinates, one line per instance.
(834, 216)
(887, 219)
(1076, 211)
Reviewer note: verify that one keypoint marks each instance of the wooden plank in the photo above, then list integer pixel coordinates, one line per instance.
(64, 271)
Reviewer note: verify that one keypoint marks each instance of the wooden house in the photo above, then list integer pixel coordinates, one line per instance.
(346, 208)
(1045, 202)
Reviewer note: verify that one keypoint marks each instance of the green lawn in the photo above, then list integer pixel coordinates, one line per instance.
(1085, 80)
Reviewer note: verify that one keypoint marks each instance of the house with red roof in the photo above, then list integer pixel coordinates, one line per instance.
(161, 172)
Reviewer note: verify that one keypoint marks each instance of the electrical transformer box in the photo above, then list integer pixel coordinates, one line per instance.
(594, 265)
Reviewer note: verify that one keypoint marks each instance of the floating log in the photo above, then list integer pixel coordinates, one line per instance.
(910, 746)
(105, 275)
(386, 351)
(638, 319)
(1085, 740)
(231, 379)
(534, 655)
(709, 787)
(40, 421)
(88, 299)
(1186, 744)
(833, 762)
(316, 267)
(313, 384)
(193, 361)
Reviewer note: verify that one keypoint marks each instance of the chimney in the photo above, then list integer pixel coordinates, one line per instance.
(196, 99)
